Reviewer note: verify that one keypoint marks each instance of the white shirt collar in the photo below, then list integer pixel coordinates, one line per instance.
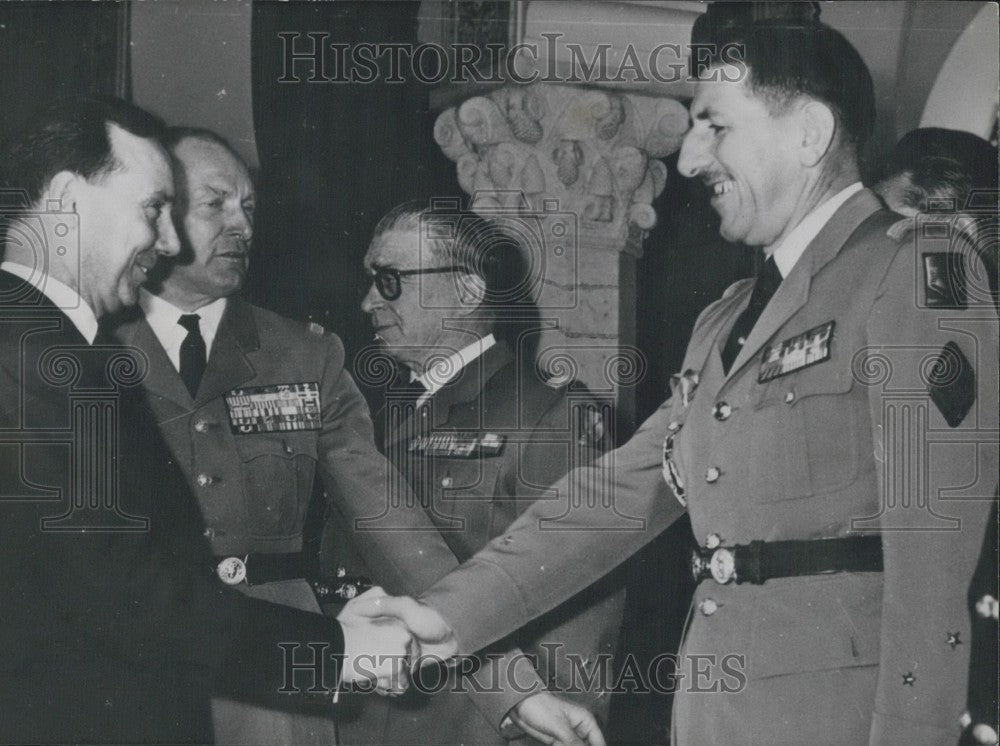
(62, 296)
(162, 316)
(788, 251)
(437, 375)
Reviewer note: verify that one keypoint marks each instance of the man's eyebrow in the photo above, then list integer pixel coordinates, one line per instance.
(219, 191)
(160, 196)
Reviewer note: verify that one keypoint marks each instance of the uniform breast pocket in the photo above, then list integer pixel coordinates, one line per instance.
(816, 422)
(278, 473)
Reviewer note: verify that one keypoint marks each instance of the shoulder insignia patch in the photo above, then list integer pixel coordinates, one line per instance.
(951, 384)
(316, 329)
(944, 280)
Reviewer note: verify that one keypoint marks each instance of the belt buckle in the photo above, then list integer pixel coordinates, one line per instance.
(232, 570)
(718, 564)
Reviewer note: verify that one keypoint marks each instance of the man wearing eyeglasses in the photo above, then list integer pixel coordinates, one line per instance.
(478, 433)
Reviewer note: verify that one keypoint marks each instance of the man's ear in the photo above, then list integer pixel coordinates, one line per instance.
(817, 128)
(62, 187)
(471, 291)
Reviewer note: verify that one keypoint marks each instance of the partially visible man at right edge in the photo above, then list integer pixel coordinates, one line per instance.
(834, 438)
(946, 180)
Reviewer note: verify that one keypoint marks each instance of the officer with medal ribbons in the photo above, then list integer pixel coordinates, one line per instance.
(478, 432)
(253, 406)
(840, 499)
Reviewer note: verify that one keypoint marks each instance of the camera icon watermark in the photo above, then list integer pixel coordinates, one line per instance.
(38, 237)
(497, 223)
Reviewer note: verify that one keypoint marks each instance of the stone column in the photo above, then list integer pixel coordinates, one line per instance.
(574, 171)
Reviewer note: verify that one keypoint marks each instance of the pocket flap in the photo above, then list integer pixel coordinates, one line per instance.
(817, 623)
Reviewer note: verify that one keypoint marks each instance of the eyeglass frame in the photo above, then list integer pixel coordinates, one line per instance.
(379, 271)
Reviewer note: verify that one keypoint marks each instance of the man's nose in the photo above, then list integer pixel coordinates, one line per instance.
(241, 224)
(167, 242)
(372, 300)
(694, 153)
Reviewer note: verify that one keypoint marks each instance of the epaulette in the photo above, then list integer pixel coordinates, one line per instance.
(316, 329)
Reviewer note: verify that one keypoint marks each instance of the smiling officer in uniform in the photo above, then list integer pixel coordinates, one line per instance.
(840, 496)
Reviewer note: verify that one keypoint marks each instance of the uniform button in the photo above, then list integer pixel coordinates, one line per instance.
(204, 480)
(712, 474)
(708, 607)
(713, 541)
(446, 482)
(721, 411)
(789, 397)
(674, 426)
(201, 426)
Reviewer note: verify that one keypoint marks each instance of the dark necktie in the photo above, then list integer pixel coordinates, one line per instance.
(764, 288)
(192, 353)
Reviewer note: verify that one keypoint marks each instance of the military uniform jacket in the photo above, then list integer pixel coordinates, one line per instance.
(892, 429)
(254, 487)
(477, 453)
(116, 633)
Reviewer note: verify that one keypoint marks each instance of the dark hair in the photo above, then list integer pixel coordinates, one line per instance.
(71, 134)
(945, 162)
(787, 59)
(931, 179)
(485, 247)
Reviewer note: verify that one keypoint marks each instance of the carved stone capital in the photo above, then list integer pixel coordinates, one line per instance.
(591, 153)
(574, 171)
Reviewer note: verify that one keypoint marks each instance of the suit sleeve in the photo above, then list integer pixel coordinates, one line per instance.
(538, 563)
(934, 418)
(178, 612)
(385, 519)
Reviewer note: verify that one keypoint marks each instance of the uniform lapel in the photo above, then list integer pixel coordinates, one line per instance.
(469, 384)
(229, 364)
(794, 290)
(162, 379)
(465, 387)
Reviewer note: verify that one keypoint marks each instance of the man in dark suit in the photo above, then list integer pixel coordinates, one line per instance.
(833, 437)
(115, 629)
(478, 433)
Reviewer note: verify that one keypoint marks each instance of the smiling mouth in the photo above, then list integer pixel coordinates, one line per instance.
(720, 188)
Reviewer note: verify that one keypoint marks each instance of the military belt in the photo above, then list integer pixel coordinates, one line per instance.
(760, 561)
(257, 569)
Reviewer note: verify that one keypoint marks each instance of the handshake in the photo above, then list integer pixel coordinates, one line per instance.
(387, 637)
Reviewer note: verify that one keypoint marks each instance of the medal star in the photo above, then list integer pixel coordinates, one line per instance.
(909, 678)
(954, 640)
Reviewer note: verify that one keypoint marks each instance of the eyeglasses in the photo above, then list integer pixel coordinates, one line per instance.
(387, 280)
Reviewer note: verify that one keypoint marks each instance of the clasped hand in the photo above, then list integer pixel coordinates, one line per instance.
(385, 637)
